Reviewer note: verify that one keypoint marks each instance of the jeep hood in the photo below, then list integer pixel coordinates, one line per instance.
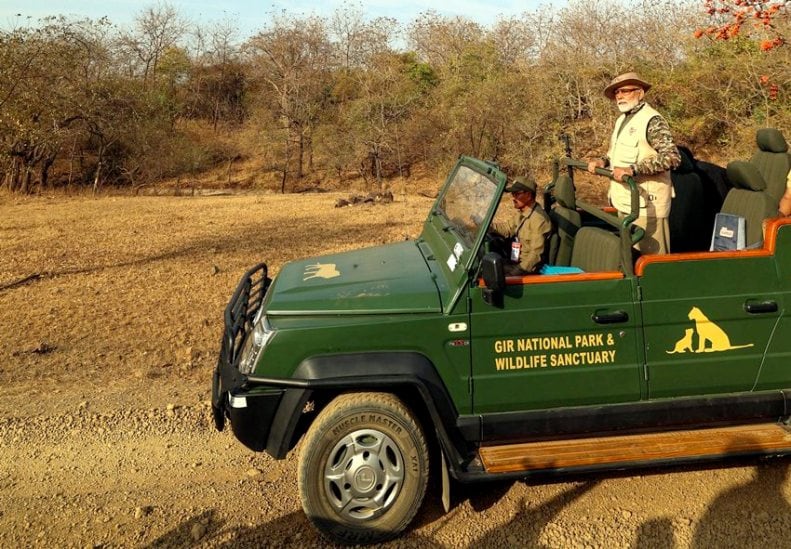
(387, 279)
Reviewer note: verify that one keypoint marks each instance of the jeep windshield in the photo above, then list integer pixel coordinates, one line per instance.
(466, 201)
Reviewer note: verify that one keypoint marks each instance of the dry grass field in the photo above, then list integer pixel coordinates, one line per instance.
(119, 300)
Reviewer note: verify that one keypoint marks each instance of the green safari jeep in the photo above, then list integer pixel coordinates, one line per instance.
(390, 358)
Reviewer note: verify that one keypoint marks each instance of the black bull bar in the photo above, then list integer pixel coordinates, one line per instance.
(239, 315)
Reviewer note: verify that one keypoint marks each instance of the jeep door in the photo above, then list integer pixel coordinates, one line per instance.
(556, 341)
(708, 322)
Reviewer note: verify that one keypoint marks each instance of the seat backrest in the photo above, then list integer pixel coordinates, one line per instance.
(749, 200)
(772, 160)
(691, 218)
(596, 250)
(566, 221)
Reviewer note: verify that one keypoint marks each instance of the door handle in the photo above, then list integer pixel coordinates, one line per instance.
(610, 317)
(758, 307)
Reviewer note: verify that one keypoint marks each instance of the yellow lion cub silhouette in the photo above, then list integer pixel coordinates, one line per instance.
(684, 344)
(711, 338)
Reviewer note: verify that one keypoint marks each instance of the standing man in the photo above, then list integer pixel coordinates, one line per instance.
(530, 228)
(641, 146)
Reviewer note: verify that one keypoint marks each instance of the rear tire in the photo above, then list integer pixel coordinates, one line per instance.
(363, 468)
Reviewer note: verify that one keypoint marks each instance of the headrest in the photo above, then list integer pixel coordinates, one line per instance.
(771, 140)
(564, 192)
(687, 161)
(745, 176)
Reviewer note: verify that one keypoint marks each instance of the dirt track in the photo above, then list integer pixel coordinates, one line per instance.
(109, 320)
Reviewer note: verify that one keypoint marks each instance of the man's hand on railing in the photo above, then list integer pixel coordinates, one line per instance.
(620, 174)
(593, 164)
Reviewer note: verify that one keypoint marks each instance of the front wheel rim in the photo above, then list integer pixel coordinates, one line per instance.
(364, 475)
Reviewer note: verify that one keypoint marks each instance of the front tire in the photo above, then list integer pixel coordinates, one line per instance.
(363, 468)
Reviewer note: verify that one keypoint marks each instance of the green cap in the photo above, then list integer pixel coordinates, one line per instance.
(522, 184)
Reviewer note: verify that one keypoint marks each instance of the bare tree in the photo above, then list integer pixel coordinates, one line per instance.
(156, 29)
(218, 79)
(357, 40)
(440, 41)
(293, 60)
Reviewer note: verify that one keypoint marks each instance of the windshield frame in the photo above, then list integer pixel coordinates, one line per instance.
(452, 251)
(466, 201)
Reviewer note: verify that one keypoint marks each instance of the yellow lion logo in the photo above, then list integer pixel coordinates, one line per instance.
(711, 338)
(321, 270)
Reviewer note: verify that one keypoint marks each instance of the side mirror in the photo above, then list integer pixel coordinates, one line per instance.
(493, 275)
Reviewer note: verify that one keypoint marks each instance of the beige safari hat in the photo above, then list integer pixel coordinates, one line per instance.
(623, 80)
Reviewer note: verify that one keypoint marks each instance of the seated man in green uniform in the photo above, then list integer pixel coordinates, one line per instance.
(530, 228)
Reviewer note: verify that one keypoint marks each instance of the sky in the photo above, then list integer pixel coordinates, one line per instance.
(253, 15)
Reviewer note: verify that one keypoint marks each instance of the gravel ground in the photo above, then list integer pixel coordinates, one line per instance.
(163, 477)
(110, 315)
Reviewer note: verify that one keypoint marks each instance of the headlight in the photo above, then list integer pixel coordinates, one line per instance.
(254, 343)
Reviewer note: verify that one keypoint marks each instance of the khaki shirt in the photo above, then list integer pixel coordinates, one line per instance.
(532, 228)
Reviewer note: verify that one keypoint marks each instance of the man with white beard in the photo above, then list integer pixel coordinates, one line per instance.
(641, 146)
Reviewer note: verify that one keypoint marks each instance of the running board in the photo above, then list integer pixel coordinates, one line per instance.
(760, 438)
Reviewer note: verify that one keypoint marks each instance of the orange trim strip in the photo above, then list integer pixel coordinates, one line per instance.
(574, 277)
(771, 230)
(645, 261)
(770, 243)
(549, 279)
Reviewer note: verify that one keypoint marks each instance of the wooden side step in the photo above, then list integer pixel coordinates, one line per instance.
(585, 452)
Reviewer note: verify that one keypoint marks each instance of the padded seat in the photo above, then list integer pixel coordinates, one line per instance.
(566, 221)
(596, 250)
(749, 199)
(771, 161)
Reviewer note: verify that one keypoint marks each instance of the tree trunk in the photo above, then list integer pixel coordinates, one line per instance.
(216, 115)
(71, 165)
(398, 153)
(364, 172)
(301, 150)
(379, 172)
(13, 183)
(97, 179)
(309, 147)
(286, 155)
(44, 173)
(25, 188)
(5, 180)
(376, 165)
